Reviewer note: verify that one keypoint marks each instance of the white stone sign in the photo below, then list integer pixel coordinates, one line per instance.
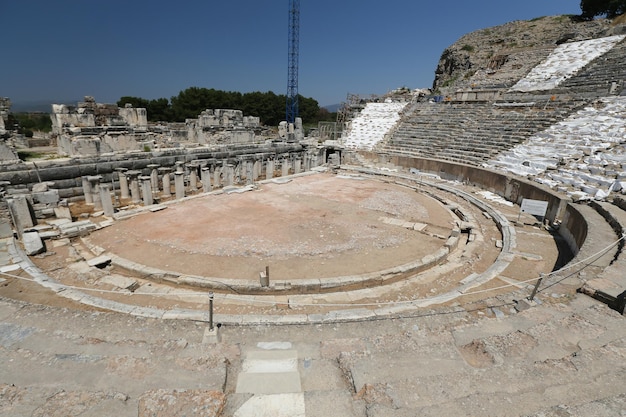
(534, 207)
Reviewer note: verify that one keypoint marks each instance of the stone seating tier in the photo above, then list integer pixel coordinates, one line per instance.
(471, 132)
(599, 74)
(583, 155)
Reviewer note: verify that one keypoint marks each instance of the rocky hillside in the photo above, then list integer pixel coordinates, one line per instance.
(499, 56)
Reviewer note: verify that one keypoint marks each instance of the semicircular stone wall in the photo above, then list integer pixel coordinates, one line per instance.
(573, 226)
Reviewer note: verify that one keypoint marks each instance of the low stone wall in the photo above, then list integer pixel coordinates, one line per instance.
(573, 224)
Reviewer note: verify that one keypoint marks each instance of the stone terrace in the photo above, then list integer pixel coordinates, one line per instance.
(555, 116)
(564, 62)
(583, 155)
(472, 132)
(598, 76)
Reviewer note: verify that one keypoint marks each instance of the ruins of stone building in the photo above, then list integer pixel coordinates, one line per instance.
(5, 106)
(222, 126)
(7, 155)
(291, 132)
(93, 128)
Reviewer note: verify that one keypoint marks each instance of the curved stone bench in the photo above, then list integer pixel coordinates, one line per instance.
(610, 285)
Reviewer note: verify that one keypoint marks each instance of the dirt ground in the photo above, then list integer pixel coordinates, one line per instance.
(312, 227)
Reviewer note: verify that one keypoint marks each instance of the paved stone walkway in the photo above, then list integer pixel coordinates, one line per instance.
(270, 373)
(564, 357)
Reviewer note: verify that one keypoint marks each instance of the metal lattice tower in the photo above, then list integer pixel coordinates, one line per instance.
(293, 55)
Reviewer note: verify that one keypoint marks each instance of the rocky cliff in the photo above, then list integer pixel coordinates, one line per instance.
(497, 57)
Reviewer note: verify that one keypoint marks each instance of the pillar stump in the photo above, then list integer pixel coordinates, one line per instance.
(166, 180)
(94, 183)
(133, 178)
(87, 190)
(179, 184)
(206, 179)
(146, 190)
(105, 197)
(123, 181)
(154, 177)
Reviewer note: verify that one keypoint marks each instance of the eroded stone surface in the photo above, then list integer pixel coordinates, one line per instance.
(167, 403)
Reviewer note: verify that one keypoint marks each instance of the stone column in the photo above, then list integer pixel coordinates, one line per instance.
(285, 167)
(224, 172)
(193, 177)
(87, 190)
(307, 162)
(154, 177)
(206, 179)
(94, 183)
(314, 161)
(179, 183)
(216, 177)
(297, 167)
(249, 172)
(146, 189)
(133, 177)
(166, 179)
(105, 197)
(123, 180)
(269, 169)
(256, 170)
(229, 175)
(180, 166)
(21, 213)
(237, 174)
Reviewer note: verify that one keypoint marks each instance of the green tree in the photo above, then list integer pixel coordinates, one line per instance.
(136, 102)
(189, 103)
(608, 8)
(308, 109)
(159, 110)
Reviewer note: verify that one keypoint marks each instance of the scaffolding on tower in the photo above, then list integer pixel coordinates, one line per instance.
(293, 55)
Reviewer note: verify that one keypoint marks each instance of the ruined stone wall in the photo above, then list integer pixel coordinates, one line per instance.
(96, 145)
(222, 126)
(7, 155)
(5, 106)
(251, 122)
(135, 118)
(573, 227)
(65, 117)
(93, 128)
(66, 175)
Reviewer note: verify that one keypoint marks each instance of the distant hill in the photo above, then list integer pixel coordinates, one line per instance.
(44, 106)
(499, 56)
(332, 108)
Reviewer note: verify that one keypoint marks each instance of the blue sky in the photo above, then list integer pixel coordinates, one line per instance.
(63, 50)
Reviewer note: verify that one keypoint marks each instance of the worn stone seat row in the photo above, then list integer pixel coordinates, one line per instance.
(609, 286)
(477, 129)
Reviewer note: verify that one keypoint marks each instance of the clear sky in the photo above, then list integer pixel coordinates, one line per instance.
(65, 49)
